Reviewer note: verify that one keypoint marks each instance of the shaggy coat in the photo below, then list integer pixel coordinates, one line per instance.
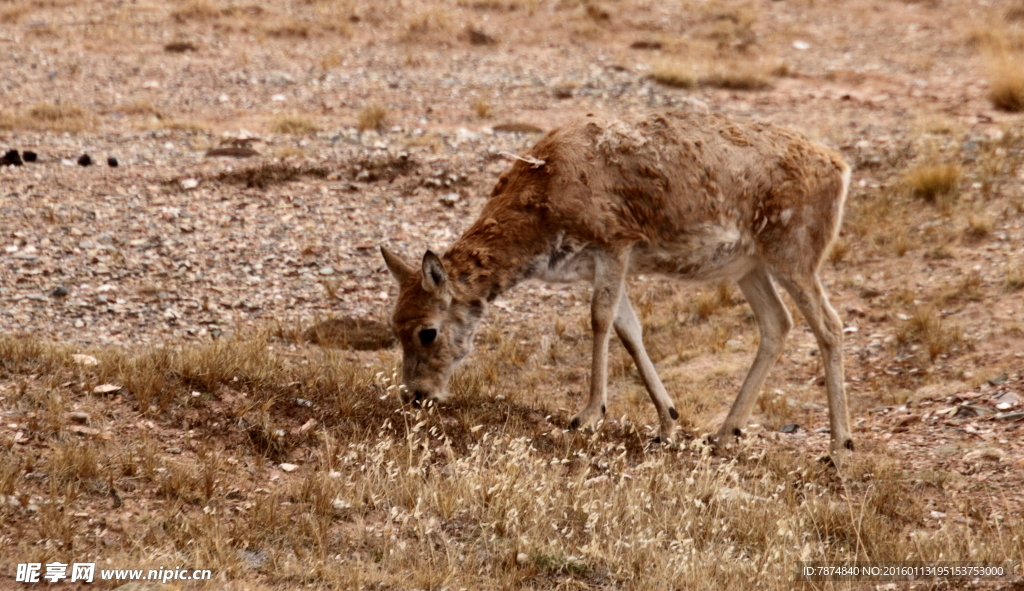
(694, 196)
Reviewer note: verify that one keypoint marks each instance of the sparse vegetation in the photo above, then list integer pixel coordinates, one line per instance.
(196, 363)
(294, 124)
(934, 182)
(1006, 85)
(373, 116)
(266, 175)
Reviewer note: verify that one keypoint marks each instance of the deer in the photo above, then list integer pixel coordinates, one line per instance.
(695, 196)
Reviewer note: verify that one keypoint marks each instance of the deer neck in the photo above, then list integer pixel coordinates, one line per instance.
(495, 254)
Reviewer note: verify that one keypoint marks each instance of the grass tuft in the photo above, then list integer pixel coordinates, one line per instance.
(934, 182)
(294, 124)
(373, 116)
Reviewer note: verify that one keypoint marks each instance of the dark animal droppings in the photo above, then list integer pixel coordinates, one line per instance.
(29, 156)
(112, 162)
(59, 292)
(85, 160)
(11, 158)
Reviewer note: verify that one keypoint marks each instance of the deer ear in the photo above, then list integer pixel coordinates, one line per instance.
(434, 275)
(400, 270)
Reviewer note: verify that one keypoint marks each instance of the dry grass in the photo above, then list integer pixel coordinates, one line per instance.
(266, 175)
(373, 117)
(730, 75)
(483, 108)
(1015, 277)
(925, 333)
(1006, 84)
(294, 124)
(673, 73)
(934, 182)
(479, 493)
(59, 117)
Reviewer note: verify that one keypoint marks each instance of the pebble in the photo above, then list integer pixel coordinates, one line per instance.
(189, 184)
(59, 292)
(288, 467)
(80, 418)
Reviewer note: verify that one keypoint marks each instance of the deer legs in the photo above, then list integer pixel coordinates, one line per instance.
(610, 308)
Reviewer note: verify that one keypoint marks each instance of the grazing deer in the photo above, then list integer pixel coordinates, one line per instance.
(694, 196)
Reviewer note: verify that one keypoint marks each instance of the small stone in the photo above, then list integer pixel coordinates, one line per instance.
(189, 184)
(112, 162)
(327, 271)
(80, 418)
(340, 504)
(59, 292)
(801, 45)
(288, 467)
(522, 558)
(29, 156)
(999, 379)
(105, 389)
(81, 359)
(790, 428)
(85, 160)
(449, 199)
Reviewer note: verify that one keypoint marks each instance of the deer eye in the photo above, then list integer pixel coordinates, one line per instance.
(427, 336)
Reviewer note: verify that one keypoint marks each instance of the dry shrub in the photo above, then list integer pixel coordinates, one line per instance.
(1006, 84)
(59, 116)
(736, 76)
(933, 182)
(924, 329)
(673, 73)
(373, 116)
(483, 108)
(978, 227)
(74, 461)
(294, 124)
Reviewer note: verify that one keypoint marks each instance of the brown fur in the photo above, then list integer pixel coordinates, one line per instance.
(694, 196)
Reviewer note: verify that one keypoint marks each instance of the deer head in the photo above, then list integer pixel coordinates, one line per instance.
(434, 323)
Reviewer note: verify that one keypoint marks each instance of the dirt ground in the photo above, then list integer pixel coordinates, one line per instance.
(191, 304)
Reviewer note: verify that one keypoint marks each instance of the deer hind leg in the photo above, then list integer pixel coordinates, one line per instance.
(627, 326)
(828, 330)
(609, 278)
(774, 322)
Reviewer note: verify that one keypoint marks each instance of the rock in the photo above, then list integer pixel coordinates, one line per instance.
(999, 379)
(326, 270)
(790, 428)
(112, 162)
(340, 504)
(81, 418)
(29, 156)
(288, 467)
(189, 184)
(81, 359)
(105, 389)
(59, 292)
(478, 37)
(11, 158)
(85, 160)
(522, 558)
(449, 199)
(992, 454)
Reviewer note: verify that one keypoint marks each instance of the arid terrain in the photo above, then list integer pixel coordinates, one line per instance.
(195, 367)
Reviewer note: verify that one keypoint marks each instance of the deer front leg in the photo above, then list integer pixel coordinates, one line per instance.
(628, 327)
(609, 277)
